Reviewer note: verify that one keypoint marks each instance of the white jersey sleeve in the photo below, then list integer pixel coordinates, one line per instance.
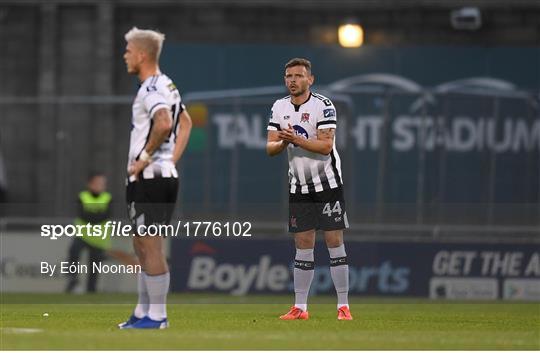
(273, 124)
(327, 117)
(154, 100)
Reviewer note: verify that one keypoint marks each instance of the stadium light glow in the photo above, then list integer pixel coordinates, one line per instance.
(350, 35)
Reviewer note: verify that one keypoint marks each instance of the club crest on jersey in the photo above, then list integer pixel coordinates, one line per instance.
(304, 118)
(286, 117)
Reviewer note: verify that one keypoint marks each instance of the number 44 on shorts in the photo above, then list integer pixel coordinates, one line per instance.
(327, 210)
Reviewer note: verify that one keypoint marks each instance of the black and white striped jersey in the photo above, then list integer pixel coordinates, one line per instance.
(155, 93)
(308, 172)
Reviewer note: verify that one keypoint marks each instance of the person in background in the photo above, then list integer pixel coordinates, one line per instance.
(94, 208)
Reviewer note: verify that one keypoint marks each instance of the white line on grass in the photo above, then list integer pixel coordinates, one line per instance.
(20, 330)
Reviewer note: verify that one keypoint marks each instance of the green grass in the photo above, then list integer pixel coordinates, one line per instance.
(238, 323)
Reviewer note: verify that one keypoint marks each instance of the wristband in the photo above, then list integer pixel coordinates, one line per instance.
(145, 157)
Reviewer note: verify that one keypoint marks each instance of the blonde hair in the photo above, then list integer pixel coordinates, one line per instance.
(149, 41)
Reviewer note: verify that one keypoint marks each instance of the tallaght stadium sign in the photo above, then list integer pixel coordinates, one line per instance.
(480, 114)
(406, 132)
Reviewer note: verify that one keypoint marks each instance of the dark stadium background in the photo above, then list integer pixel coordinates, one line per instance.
(65, 111)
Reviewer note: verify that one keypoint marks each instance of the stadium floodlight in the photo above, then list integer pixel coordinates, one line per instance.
(350, 35)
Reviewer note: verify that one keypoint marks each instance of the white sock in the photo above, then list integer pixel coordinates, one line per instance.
(339, 270)
(158, 287)
(141, 310)
(303, 275)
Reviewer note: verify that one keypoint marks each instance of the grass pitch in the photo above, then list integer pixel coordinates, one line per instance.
(218, 322)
